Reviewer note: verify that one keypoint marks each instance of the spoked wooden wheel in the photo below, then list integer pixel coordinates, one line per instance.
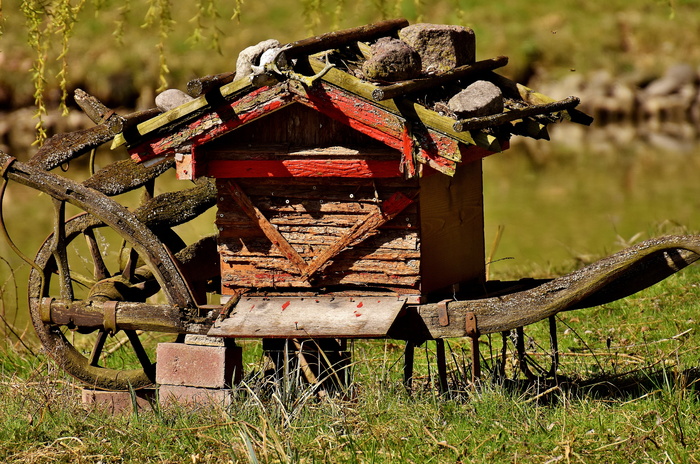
(93, 262)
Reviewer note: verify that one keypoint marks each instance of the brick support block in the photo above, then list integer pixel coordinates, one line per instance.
(198, 366)
(169, 395)
(120, 402)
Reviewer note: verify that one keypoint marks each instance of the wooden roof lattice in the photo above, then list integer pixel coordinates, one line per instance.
(405, 115)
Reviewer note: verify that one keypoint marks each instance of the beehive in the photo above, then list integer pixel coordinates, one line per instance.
(329, 184)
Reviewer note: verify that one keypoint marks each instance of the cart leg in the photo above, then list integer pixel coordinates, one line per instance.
(554, 343)
(323, 361)
(408, 364)
(441, 366)
(504, 354)
(476, 360)
(520, 348)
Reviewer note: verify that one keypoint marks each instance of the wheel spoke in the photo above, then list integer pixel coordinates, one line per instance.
(59, 250)
(100, 270)
(130, 265)
(97, 348)
(139, 350)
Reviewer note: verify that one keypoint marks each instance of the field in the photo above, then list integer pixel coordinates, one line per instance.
(626, 390)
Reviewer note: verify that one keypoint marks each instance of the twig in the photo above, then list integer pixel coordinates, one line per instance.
(442, 443)
(549, 390)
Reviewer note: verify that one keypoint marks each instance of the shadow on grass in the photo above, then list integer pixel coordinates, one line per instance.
(624, 387)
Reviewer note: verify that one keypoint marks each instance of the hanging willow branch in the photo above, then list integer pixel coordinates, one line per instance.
(50, 26)
(159, 12)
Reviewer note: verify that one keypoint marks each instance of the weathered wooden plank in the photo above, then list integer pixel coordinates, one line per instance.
(310, 317)
(363, 116)
(268, 229)
(400, 107)
(354, 253)
(452, 228)
(243, 276)
(310, 206)
(335, 190)
(386, 92)
(389, 239)
(189, 110)
(284, 152)
(212, 124)
(335, 39)
(341, 264)
(296, 127)
(201, 85)
(298, 222)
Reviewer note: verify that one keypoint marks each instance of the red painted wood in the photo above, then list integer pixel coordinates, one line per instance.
(303, 168)
(408, 165)
(428, 146)
(218, 122)
(355, 112)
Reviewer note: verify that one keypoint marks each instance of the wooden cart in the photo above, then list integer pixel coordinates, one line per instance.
(345, 209)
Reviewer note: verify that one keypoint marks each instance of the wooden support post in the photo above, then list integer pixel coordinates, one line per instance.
(408, 364)
(473, 332)
(476, 360)
(520, 348)
(441, 366)
(554, 344)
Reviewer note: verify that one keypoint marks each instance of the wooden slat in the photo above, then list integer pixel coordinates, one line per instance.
(208, 126)
(310, 317)
(187, 111)
(402, 107)
(365, 226)
(268, 229)
(518, 113)
(386, 92)
(342, 168)
(246, 276)
(398, 267)
(352, 254)
(390, 239)
(296, 222)
(452, 228)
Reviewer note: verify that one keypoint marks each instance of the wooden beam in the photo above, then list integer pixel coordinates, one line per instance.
(338, 39)
(211, 125)
(400, 107)
(386, 92)
(517, 113)
(188, 111)
(307, 168)
(268, 229)
(318, 317)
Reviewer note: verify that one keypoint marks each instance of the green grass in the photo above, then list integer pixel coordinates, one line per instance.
(551, 37)
(626, 389)
(626, 392)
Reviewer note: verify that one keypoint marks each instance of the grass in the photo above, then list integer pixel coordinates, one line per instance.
(626, 389)
(626, 392)
(550, 37)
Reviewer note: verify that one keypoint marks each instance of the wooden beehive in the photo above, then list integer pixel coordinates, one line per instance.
(308, 203)
(332, 185)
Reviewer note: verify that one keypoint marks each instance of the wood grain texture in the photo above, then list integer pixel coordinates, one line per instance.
(319, 317)
(452, 228)
(348, 231)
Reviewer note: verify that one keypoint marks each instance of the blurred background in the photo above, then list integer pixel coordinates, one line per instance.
(550, 206)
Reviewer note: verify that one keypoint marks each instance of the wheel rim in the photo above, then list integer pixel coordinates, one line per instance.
(99, 359)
